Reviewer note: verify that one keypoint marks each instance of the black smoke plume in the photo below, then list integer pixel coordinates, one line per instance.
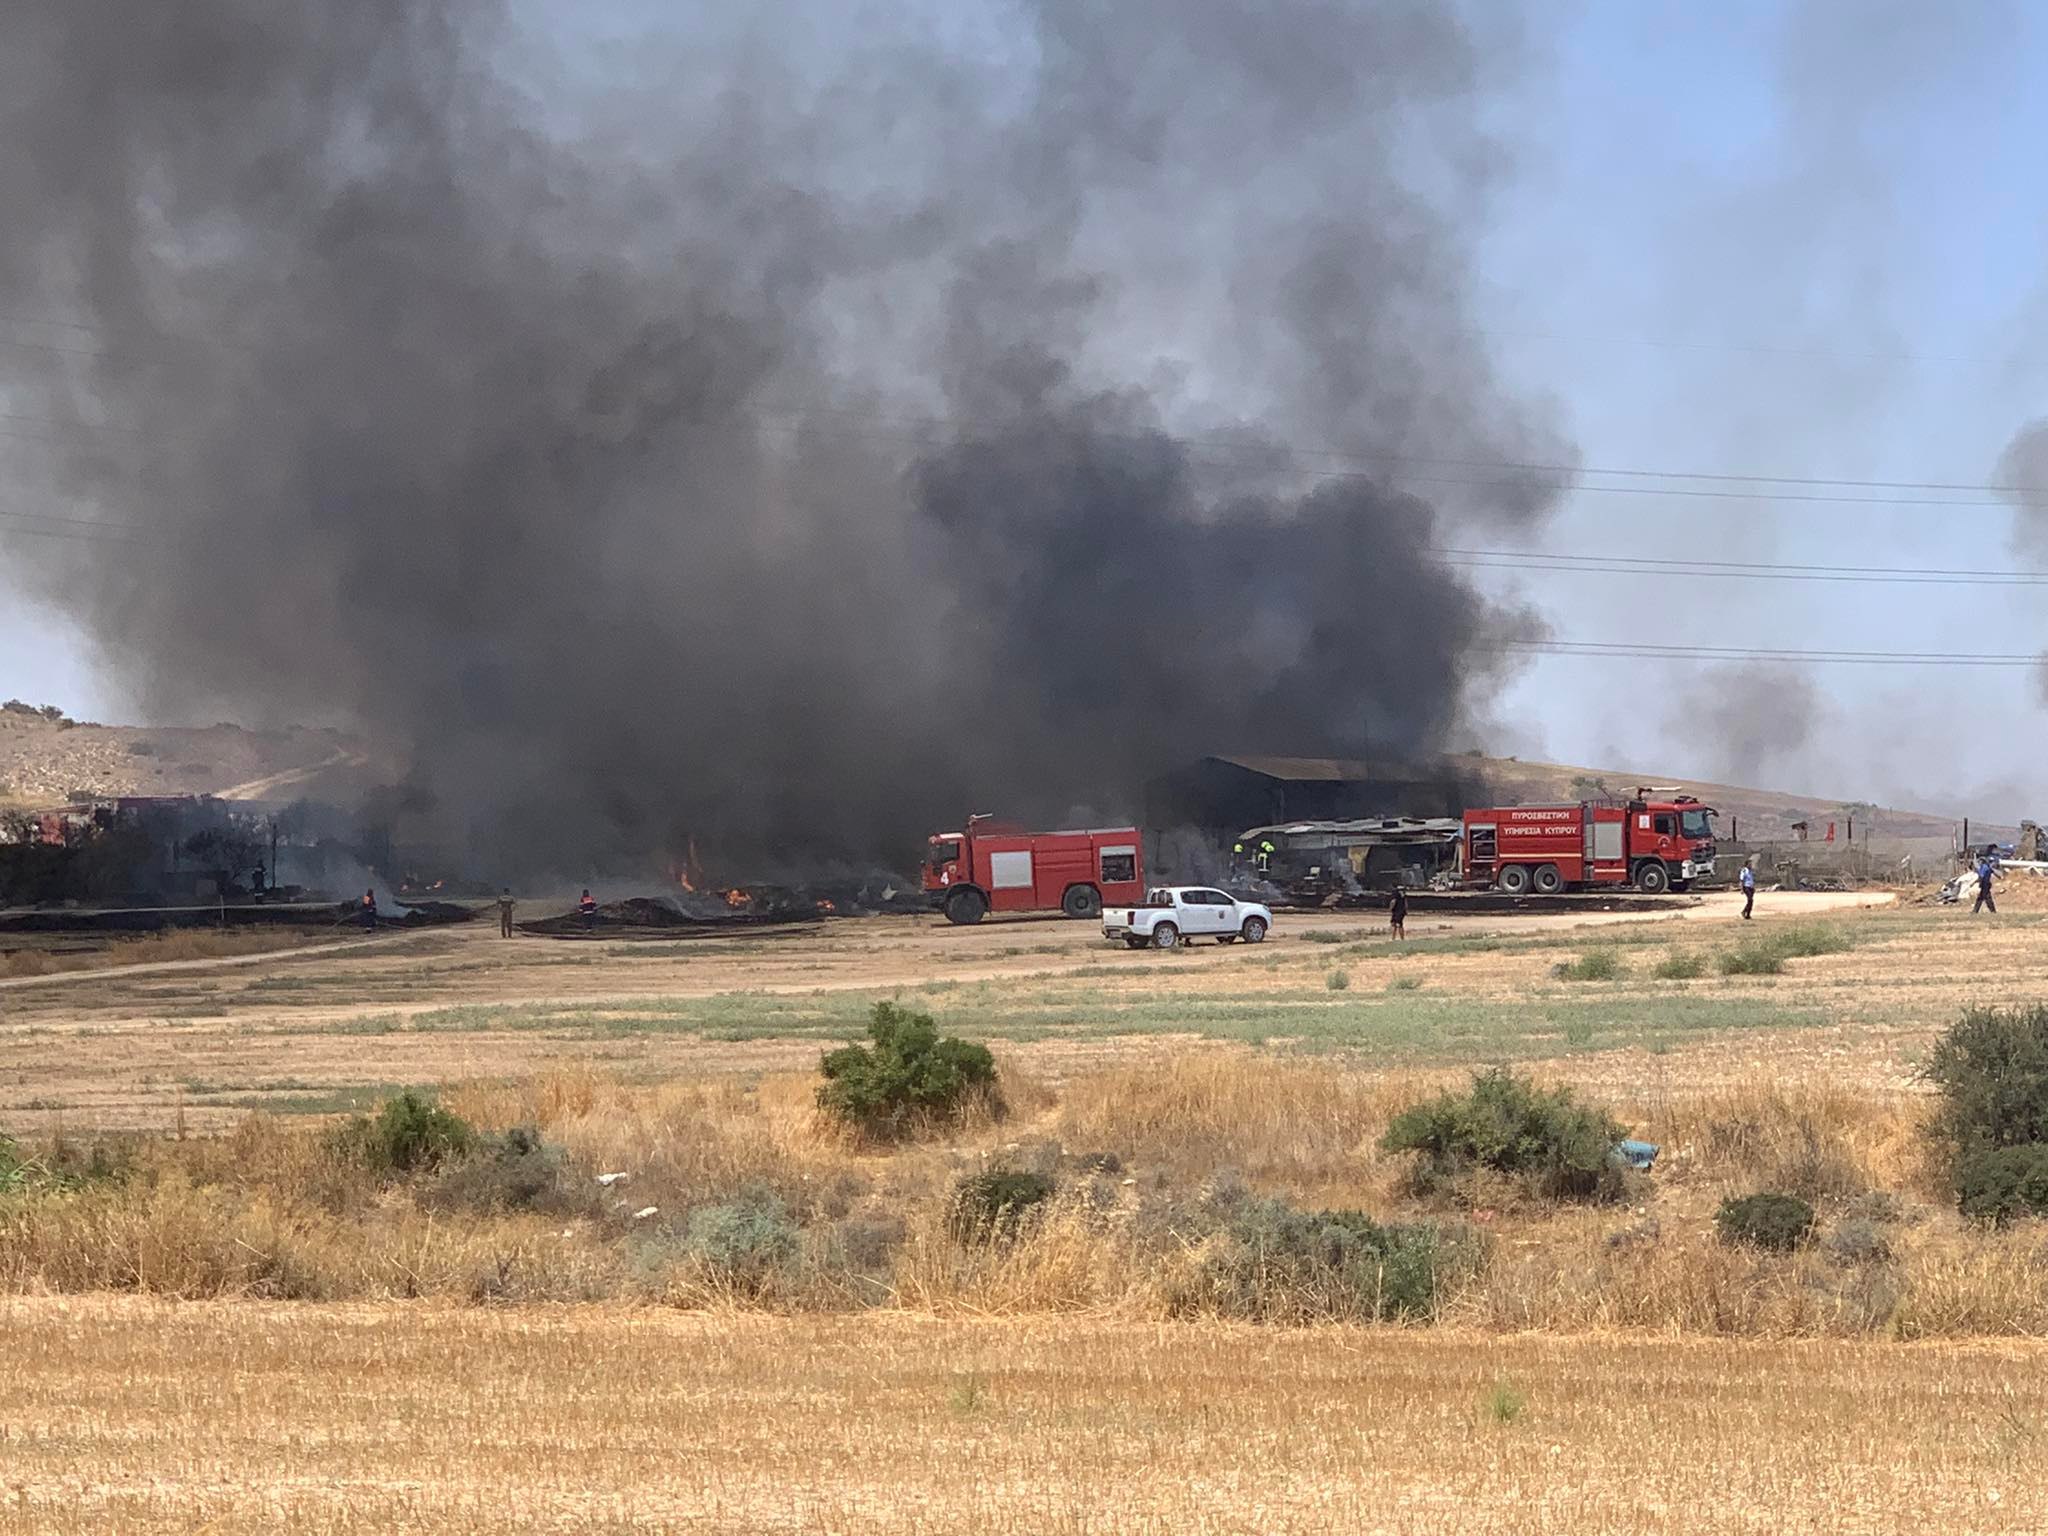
(780, 426)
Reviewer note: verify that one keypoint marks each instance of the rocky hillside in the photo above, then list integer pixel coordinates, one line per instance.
(45, 761)
(1758, 815)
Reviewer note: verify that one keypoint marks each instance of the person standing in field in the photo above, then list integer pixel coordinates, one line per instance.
(1748, 885)
(1397, 912)
(505, 913)
(1987, 867)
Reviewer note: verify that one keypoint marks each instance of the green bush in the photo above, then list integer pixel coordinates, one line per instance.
(1680, 965)
(410, 1133)
(1776, 1223)
(993, 1204)
(2001, 1184)
(64, 1166)
(1268, 1262)
(1505, 1123)
(1594, 965)
(1990, 1069)
(1765, 954)
(748, 1239)
(909, 1079)
(1338, 981)
(1754, 957)
(517, 1171)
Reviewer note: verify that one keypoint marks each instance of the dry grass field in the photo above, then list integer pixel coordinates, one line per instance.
(251, 1418)
(247, 1334)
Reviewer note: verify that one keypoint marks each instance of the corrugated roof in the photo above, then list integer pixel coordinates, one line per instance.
(1317, 770)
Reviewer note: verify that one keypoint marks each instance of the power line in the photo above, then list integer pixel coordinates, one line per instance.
(1476, 559)
(1738, 570)
(1655, 652)
(1235, 451)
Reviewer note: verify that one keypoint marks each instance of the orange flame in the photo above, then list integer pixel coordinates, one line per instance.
(737, 898)
(828, 906)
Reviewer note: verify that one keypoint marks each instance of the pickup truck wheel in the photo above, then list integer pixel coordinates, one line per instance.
(966, 907)
(1082, 901)
(1548, 880)
(1652, 878)
(1514, 880)
(1165, 936)
(1254, 930)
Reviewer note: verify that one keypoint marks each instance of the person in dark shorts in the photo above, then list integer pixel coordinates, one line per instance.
(505, 913)
(1397, 912)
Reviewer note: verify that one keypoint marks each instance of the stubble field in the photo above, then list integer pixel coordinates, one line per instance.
(1610, 1370)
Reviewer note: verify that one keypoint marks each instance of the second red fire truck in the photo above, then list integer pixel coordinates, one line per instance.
(1654, 844)
(994, 868)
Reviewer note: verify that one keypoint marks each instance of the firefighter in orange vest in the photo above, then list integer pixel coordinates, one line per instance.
(587, 907)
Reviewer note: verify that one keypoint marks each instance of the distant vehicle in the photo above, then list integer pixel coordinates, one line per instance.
(1172, 914)
(992, 868)
(1654, 844)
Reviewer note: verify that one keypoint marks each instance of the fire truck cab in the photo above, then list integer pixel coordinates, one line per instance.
(993, 868)
(1656, 841)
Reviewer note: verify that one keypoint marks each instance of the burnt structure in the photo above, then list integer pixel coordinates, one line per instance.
(1223, 795)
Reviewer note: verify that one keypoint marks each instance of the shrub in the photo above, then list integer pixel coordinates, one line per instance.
(410, 1133)
(910, 1078)
(514, 1172)
(747, 1239)
(1754, 957)
(1563, 1149)
(1854, 1241)
(993, 1204)
(1680, 965)
(1338, 981)
(1269, 1262)
(1765, 954)
(1594, 965)
(1405, 984)
(2000, 1184)
(62, 1167)
(1991, 1071)
(1773, 1222)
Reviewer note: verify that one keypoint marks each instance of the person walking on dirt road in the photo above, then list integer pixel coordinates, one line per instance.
(505, 913)
(1986, 868)
(1748, 886)
(1397, 912)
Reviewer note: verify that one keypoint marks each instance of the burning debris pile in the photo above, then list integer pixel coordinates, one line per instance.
(702, 913)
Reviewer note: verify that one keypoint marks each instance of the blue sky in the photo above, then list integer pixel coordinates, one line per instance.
(1800, 240)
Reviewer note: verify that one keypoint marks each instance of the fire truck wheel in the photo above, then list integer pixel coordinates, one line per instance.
(1548, 881)
(1254, 930)
(1165, 936)
(966, 908)
(1514, 880)
(1652, 878)
(1082, 901)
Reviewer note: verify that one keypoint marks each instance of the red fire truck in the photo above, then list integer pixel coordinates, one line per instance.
(996, 868)
(1659, 840)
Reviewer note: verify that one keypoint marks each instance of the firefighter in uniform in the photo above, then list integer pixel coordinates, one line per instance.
(587, 908)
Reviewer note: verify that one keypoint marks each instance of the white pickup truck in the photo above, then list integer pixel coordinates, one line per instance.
(1179, 914)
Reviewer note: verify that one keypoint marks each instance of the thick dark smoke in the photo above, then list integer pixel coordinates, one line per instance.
(789, 444)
